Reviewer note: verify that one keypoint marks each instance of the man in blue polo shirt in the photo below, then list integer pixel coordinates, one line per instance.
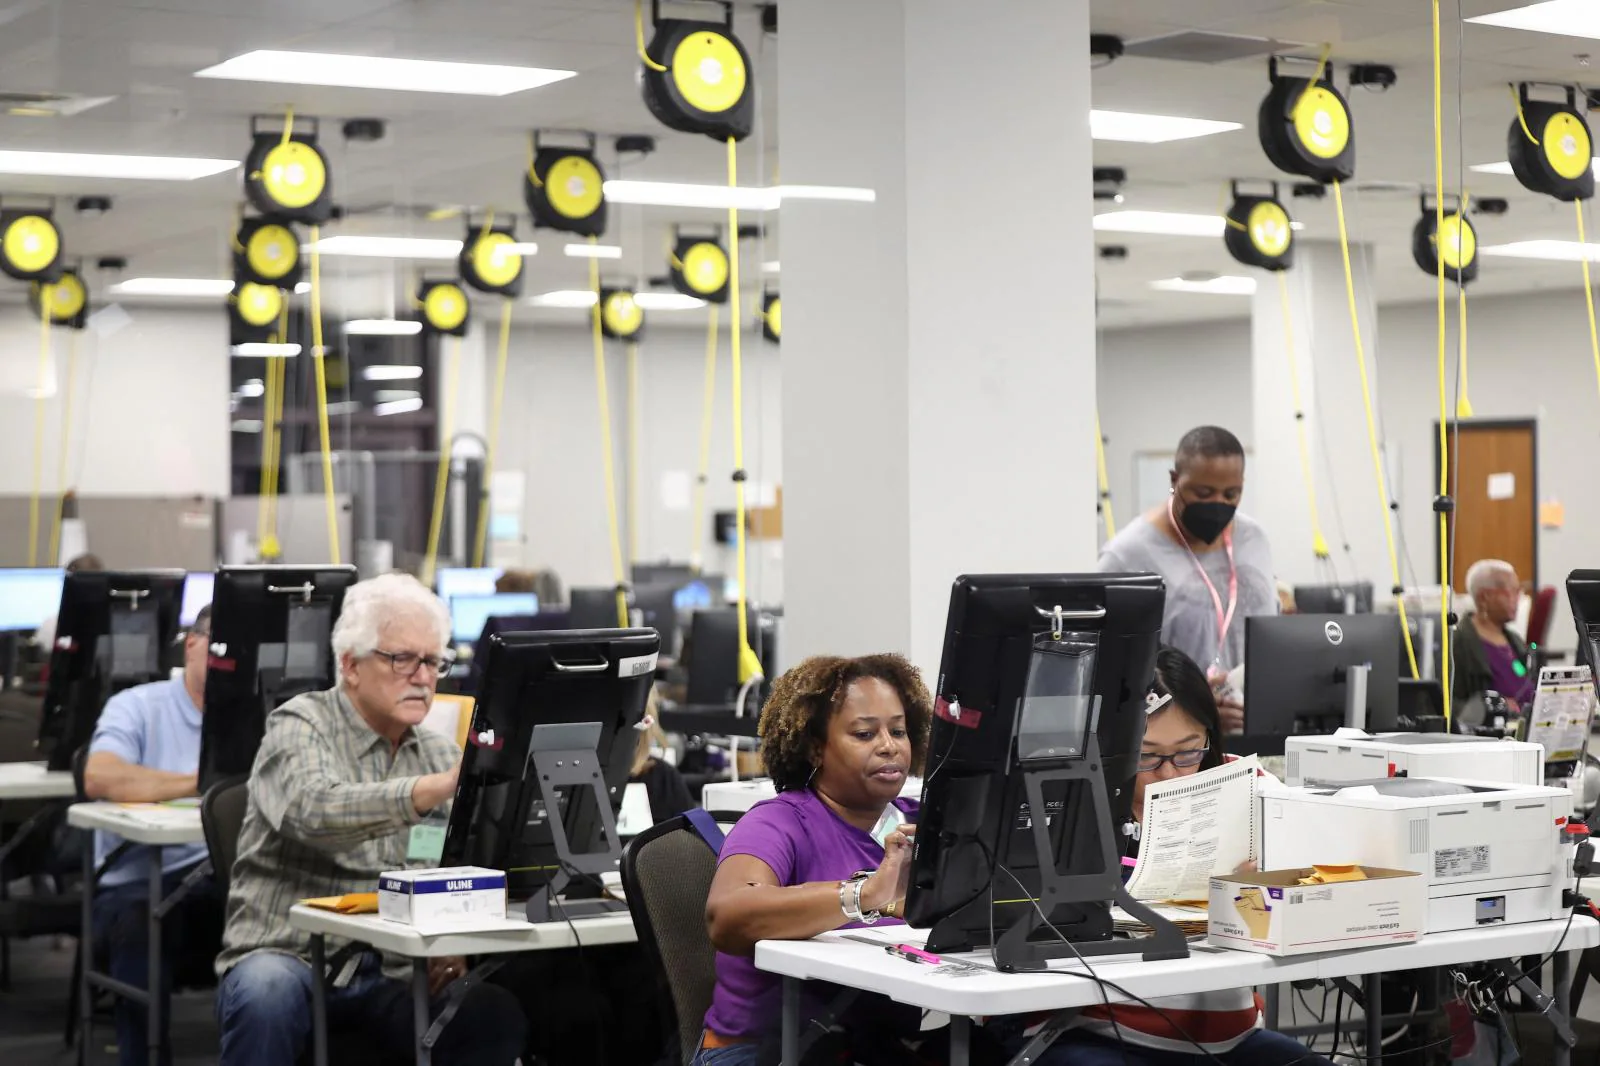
(146, 749)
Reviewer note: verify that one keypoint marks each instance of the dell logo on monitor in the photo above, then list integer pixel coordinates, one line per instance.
(1334, 634)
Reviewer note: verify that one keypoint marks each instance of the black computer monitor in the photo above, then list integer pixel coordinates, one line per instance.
(1296, 669)
(270, 632)
(469, 614)
(114, 629)
(663, 573)
(592, 608)
(1015, 722)
(28, 595)
(1354, 598)
(657, 607)
(713, 656)
(587, 688)
(1583, 594)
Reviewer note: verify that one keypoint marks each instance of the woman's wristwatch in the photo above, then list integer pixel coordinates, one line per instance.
(850, 898)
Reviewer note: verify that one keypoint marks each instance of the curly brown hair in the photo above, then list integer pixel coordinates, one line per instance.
(794, 722)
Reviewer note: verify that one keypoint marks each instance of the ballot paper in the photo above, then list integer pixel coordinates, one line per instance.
(1190, 919)
(1562, 705)
(1206, 823)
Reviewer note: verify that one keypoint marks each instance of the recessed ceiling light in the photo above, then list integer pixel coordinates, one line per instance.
(1166, 223)
(564, 298)
(391, 395)
(1569, 18)
(381, 72)
(383, 327)
(666, 301)
(744, 197)
(90, 165)
(302, 288)
(1152, 129)
(769, 267)
(252, 388)
(523, 248)
(398, 407)
(1504, 167)
(389, 247)
(247, 425)
(344, 407)
(172, 287)
(1564, 251)
(259, 348)
(594, 251)
(1223, 285)
(391, 372)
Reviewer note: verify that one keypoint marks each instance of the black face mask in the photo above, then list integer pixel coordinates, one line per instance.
(1206, 521)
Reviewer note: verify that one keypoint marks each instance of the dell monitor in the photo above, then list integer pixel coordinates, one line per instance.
(469, 614)
(695, 596)
(552, 739)
(1354, 598)
(1583, 594)
(197, 588)
(28, 596)
(1039, 710)
(593, 608)
(270, 633)
(663, 573)
(657, 609)
(1299, 674)
(713, 656)
(114, 630)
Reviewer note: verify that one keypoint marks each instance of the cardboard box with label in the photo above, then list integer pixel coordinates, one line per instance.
(1273, 913)
(447, 898)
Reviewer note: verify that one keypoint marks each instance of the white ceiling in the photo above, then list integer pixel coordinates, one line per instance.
(447, 149)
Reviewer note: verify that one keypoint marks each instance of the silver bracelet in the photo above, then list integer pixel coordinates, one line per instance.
(850, 904)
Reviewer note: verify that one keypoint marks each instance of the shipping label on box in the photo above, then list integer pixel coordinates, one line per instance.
(440, 898)
(1274, 914)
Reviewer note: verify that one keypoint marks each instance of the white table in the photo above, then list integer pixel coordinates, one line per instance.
(158, 826)
(867, 968)
(31, 780)
(740, 796)
(614, 927)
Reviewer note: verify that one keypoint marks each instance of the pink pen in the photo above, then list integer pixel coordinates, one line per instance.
(911, 954)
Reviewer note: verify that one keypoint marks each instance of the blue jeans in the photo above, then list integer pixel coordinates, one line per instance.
(737, 1055)
(191, 936)
(1264, 1047)
(264, 1012)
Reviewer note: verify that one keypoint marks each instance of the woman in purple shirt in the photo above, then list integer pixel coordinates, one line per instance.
(832, 850)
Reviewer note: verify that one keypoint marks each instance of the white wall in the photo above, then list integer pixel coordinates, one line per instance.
(551, 433)
(150, 415)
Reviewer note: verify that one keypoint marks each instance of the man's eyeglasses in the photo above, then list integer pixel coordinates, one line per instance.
(406, 663)
(1182, 760)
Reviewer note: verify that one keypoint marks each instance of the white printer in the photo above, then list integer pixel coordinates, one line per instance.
(1490, 853)
(1351, 755)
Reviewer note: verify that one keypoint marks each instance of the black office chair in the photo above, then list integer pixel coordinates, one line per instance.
(666, 874)
(221, 818)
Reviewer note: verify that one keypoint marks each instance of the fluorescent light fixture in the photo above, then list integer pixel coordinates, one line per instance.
(1223, 285)
(247, 425)
(381, 72)
(389, 247)
(253, 387)
(383, 327)
(391, 395)
(1152, 129)
(567, 298)
(301, 288)
(264, 349)
(1564, 251)
(523, 248)
(391, 372)
(594, 251)
(666, 301)
(769, 267)
(93, 165)
(398, 407)
(744, 197)
(1504, 167)
(344, 407)
(1569, 18)
(172, 287)
(1166, 223)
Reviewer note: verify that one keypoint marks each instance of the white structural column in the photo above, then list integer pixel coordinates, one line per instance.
(1330, 393)
(938, 349)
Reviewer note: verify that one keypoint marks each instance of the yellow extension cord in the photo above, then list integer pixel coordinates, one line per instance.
(441, 481)
(66, 446)
(272, 447)
(1104, 481)
(602, 395)
(633, 450)
(322, 397)
(39, 404)
(749, 663)
(1446, 567)
(1588, 296)
(1319, 543)
(698, 512)
(1372, 429)
(496, 404)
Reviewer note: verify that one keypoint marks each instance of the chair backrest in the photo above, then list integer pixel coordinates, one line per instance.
(1544, 602)
(221, 818)
(80, 759)
(666, 873)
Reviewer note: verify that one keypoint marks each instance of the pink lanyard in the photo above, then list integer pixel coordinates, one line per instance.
(1224, 618)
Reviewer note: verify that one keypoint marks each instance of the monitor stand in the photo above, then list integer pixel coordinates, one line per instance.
(564, 756)
(1355, 696)
(1015, 949)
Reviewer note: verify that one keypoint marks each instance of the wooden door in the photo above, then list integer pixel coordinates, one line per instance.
(1497, 496)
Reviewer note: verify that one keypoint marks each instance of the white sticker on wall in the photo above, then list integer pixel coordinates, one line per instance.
(1502, 486)
(677, 490)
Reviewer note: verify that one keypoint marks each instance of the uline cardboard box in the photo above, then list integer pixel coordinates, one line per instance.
(1274, 914)
(440, 898)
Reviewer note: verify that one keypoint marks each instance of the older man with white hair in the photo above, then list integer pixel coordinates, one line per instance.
(341, 779)
(1489, 655)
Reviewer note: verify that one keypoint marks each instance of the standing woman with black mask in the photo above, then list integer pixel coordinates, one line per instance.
(1216, 562)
